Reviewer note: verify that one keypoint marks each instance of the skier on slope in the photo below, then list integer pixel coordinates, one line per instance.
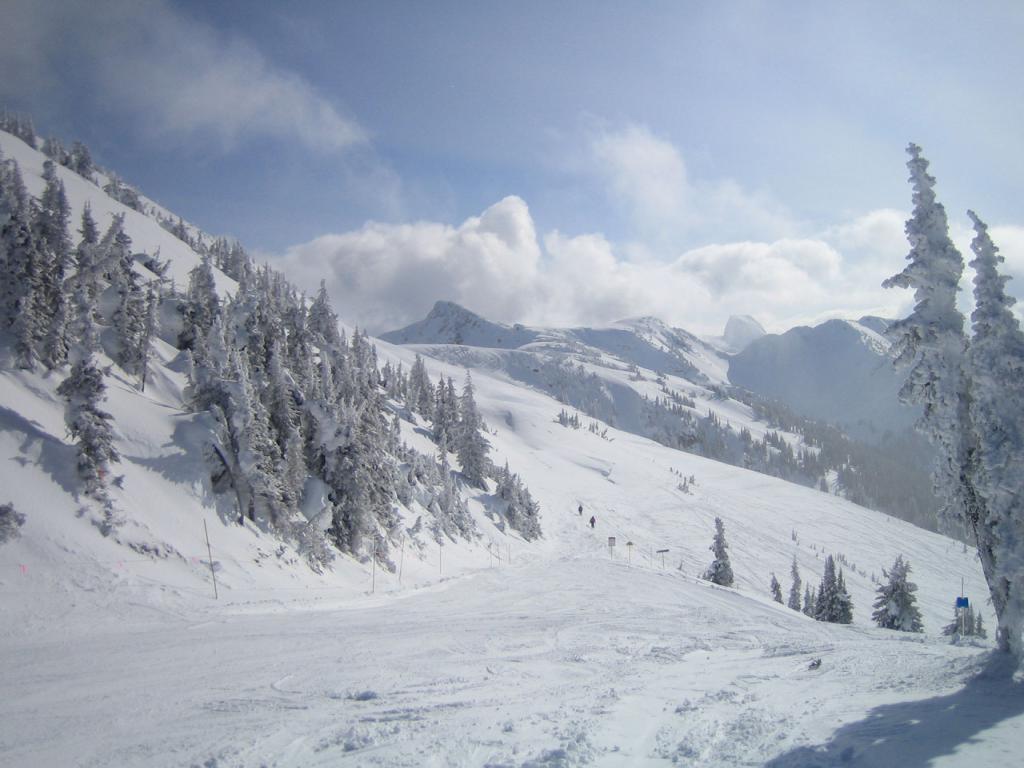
(593, 520)
(581, 510)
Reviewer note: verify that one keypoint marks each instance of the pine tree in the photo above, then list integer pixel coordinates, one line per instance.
(896, 606)
(832, 602)
(776, 590)
(21, 266)
(844, 604)
(470, 444)
(794, 591)
(720, 570)
(997, 418)
(201, 306)
(931, 343)
(88, 425)
(80, 160)
(446, 412)
(323, 323)
(149, 329)
(810, 596)
(50, 229)
(421, 393)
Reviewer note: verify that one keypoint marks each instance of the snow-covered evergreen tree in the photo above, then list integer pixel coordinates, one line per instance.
(776, 590)
(149, 329)
(832, 602)
(470, 445)
(521, 511)
(89, 425)
(896, 606)
(50, 228)
(20, 261)
(794, 590)
(201, 306)
(421, 393)
(720, 570)
(810, 596)
(997, 418)
(931, 344)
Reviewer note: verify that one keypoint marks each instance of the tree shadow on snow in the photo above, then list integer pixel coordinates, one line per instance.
(912, 734)
(56, 458)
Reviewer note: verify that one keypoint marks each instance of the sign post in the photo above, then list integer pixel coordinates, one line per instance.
(662, 553)
(629, 551)
(962, 604)
(611, 547)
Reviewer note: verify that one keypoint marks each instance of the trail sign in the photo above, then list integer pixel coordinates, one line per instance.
(611, 541)
(962, 602)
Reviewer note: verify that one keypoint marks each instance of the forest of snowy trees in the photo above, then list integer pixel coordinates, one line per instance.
(289, 398)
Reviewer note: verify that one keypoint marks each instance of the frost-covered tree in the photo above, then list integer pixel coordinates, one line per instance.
(50, 218)
(720, 570)
(896, 606)
(446, 411)
(19, 259)
(11, 521)
(776, 590)
(931, 344)
(810, 596)
(149, 329)
(470, 445)
(88, 425)
(521, 511)
(421, 393)
(794, 590)
(997, 419)
(832, 603)
(201, 306)
(964, 623)
(80, 160)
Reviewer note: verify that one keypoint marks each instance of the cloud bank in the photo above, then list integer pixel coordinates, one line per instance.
(385, 276)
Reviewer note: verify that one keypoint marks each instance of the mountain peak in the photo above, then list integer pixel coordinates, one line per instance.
(741, 330)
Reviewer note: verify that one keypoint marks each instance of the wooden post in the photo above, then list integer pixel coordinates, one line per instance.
(209, 554)
(373, 568)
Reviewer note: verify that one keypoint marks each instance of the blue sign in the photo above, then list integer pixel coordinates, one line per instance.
(961, 602)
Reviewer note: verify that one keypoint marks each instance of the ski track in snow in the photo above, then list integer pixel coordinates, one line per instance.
(571, 662)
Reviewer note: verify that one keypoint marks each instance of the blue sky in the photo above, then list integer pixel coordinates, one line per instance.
(546, 162)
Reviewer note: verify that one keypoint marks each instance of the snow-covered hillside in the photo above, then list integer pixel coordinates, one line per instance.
(479, 650)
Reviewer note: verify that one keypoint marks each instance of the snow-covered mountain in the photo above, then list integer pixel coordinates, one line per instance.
(485, 647)
(839, 371)
(740, 331)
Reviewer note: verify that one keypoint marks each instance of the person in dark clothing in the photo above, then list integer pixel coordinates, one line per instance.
(593, 520)
(581, 510)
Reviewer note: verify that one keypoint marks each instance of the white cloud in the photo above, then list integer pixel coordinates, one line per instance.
(175, 75)
(647, 175)
(385, 276)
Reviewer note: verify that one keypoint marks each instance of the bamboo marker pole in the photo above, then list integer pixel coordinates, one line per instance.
(209, 554)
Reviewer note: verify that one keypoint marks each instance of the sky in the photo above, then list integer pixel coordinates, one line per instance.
(548, 163)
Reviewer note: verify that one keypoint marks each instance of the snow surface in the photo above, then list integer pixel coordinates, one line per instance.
(490, 652)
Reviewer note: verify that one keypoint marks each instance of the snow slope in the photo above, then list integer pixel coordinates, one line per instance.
(487, 652)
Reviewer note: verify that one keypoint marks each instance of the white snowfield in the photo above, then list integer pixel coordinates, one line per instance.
(494, 652)
(567, 656)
